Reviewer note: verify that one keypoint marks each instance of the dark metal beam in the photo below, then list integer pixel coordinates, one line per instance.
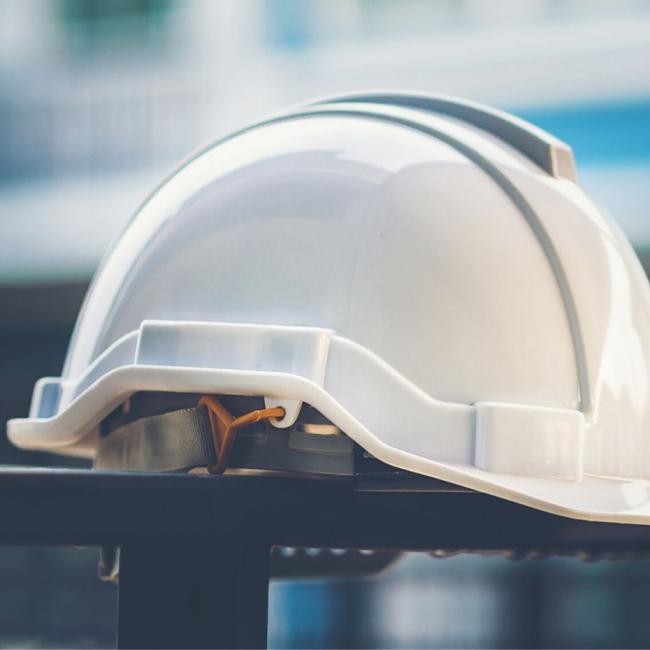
(90, 507)
(193, 595)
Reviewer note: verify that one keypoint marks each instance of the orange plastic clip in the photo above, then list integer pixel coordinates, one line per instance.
(224, 427)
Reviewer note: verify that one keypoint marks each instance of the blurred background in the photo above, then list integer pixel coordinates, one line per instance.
(100, 98)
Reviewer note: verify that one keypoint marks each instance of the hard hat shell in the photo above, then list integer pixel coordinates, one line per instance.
(424, 271)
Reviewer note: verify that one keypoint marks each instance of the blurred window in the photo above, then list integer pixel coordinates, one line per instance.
(296, 24)
(96, 25)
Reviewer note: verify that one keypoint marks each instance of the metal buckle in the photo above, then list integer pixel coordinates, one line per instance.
(224, 428)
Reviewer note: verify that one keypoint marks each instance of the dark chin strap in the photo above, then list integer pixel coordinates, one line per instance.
(183, 439)
(174, 441)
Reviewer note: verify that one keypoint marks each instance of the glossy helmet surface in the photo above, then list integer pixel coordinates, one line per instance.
(423, 271)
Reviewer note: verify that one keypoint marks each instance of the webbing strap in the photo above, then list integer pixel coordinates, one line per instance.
(178, 440)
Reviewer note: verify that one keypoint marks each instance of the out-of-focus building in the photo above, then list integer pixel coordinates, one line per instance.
(99, 98)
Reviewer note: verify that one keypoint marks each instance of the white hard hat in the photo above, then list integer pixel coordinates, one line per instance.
(416, 278)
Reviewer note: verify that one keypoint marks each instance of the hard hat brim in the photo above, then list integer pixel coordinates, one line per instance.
(370, 401)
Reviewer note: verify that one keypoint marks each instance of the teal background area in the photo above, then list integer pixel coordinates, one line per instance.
(613, 132)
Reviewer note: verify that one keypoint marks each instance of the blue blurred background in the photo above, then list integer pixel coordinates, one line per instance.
(99, 98)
